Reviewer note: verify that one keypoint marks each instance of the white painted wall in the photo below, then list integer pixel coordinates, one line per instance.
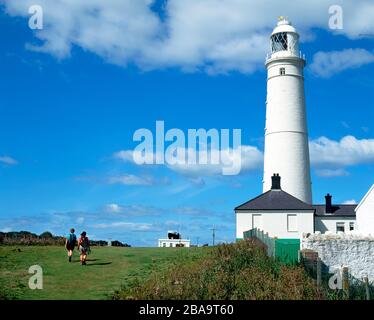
(365, 213)
(324, 224)
(275, 223)
(286, 134)
(353, 251)
(171, 243)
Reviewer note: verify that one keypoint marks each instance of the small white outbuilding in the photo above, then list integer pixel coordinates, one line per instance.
(173, 240)
(173, 243)
(365, 213)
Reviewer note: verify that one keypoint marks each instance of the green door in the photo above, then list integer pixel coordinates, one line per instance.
(287, 250)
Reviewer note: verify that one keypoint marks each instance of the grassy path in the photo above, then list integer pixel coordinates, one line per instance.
(106, 271)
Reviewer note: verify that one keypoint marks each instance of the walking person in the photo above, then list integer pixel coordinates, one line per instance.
(71, 240)
(83, 247)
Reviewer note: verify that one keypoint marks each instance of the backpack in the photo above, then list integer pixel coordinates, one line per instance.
(72, 238)
(84, 243)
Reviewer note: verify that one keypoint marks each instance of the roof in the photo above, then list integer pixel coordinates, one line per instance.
(281, 200)
(338, 210)
(365, 197)
(275, 200)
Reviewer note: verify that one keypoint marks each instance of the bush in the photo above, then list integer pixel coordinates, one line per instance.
(240, 271)
(28, 239)
(46, 235)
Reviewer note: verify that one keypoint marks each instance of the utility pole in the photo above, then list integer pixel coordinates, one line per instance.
(214, 234)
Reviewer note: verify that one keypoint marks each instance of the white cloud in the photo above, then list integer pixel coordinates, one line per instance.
(8, 161)
(194, 211)
(350, 202)
(327, 173)
(329, 157)
(346, 152)
(132, 210)
(124, 155)
(113, 207)
(130, 226)
(80, 220)
(326, 64)
(210, 35)
(240, 160)
(133, 180)
(118, 210)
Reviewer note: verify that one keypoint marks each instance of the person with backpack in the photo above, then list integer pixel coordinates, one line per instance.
(70, 242)
(83, 247)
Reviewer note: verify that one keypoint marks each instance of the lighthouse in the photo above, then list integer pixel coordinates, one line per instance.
(286, 133)
(284, 210)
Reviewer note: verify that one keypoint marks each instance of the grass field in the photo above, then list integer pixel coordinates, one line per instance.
(239, 271)
(108, 269)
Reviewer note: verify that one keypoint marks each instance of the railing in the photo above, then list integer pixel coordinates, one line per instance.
(300, 55)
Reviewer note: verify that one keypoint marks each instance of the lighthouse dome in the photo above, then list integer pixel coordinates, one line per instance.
(284, 25)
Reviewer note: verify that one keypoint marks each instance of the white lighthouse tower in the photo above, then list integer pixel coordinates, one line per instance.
(286, 134)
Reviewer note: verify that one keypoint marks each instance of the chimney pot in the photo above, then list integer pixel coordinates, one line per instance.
(276, 182)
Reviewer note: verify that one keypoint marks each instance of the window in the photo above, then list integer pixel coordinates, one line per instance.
(351, 226)
(164, 244)
(279, 42)
(292, 223)
(340, 227)
(257, 221)
(170, 245)
(282, 71)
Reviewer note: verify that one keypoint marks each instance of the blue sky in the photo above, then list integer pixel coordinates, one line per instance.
(73, 94)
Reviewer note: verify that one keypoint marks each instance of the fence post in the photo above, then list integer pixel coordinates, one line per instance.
(366, 282)
(319, 272)
(345, 282)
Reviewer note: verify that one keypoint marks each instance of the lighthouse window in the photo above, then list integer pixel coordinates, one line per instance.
(279, 42)
(282, 71)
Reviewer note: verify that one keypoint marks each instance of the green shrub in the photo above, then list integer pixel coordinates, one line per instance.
(46, 235)
(240, 271)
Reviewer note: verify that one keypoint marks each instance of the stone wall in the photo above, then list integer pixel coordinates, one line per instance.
(349, 250)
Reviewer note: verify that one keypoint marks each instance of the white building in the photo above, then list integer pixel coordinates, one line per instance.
(286, 211)
(284, 216)
(334, 218)
(365, 213)
(172, 243)
(276, 212)
(173, 240)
